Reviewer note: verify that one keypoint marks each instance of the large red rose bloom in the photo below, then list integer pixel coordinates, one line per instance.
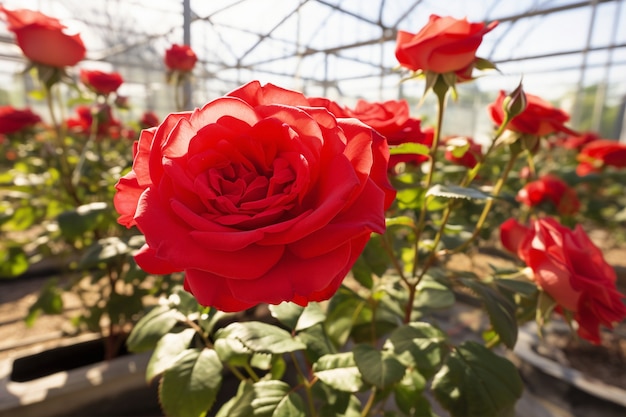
(258, 196)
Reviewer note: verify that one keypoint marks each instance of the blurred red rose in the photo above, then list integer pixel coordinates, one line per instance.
(83, 119)
(539, 118)
(149, 119)
(553, 189)
(43, 39)
(601, 153)
(243, 195)
(13, 120)
(101, 82)
(571, 269)
(469, 158)
(180, 58)
(444, 44)
(577, 141)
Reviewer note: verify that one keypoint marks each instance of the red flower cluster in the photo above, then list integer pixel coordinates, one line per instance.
(252, 176)
(100, 82)
(571, 269)
(82, 121)
(13, 120)
(553, 189)
(180, 58)
(444, 44)
(470, 157)
(43, 39)
(599, 154)
(539, 118)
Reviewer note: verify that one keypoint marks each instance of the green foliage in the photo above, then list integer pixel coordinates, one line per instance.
(475, 381)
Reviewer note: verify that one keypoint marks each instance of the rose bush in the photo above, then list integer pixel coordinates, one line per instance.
(13, 120)
(180, 58)
(553, 189)
(243, 196)
(571, 269)
(100, 82)
(540, 118)
(599, 154)
(44, 39)
(444, 44)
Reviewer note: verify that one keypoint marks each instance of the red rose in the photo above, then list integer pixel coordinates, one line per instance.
(539, 118)
(101, 82)
(13, 120)
(577, 141)
(445, 44)
(553, 189)
(471, 156)
(571, 269)
(81, 123)
(180, 58)
(599, 154)
(244, 196)
(390, 118)
(43, 39)
(149, 119)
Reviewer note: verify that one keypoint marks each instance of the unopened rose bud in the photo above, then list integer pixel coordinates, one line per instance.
(515, 103)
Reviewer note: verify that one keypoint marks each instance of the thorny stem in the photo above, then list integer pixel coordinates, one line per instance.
(93, 131)
(369, 403)
(412, 286)
(64, 168)
(251, 372)
(307, 385)
(441, 101)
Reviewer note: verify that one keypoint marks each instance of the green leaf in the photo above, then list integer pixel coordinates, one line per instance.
(290, 406)
(48, 302)
(232, 351)
(317, 342)
(524, 288)
(346, 309)
(13, 262)
(339, 371)
(408, 395)
(151, 327)
(500, 309)
(454, 191)
(296, 317)
(409, 148)
(267, 396)
(378, 368)
(432, 295)
(104, 250)
(122, 308)
(240, 404)
(189, 387)
(75, 223)
(419, 345)
(474, 381)
(263, 399)
(167, 351)
(261, 337)
(373, 260)
(351, 408)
